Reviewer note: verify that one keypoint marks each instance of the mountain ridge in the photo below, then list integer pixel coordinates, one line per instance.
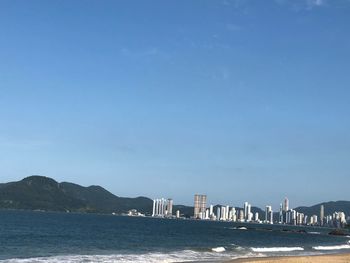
(44, 193)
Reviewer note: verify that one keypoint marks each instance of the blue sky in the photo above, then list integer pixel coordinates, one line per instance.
(241, 100)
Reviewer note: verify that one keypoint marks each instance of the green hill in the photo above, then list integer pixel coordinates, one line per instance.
(43, 193)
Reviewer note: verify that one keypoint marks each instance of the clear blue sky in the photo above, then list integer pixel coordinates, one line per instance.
(241, 100)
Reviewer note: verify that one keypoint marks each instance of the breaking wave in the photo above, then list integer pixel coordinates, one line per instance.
(218, 249)
(332, 247)
(276, 249)
(156, 257)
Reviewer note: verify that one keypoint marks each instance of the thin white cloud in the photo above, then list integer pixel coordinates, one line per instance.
(315, 3)
(299, 5)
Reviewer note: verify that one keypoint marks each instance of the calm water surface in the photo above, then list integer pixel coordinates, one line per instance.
(60, 237)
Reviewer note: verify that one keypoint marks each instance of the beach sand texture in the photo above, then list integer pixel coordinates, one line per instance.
(338, 258)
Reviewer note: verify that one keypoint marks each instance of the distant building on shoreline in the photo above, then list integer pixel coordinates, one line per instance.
(200, 205)
(162, 207)
(321, 215)
(285, 205)
(268, 215)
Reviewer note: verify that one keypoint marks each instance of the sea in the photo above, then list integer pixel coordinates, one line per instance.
(70, 237)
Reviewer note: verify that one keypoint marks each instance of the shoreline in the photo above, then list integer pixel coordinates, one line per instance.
(336, 258)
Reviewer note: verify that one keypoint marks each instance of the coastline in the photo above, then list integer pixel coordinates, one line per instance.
(334, 258)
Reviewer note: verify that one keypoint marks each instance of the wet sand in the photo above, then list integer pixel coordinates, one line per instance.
(337, 258)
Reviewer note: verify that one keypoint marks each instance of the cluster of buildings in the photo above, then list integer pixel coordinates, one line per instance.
(164, 208)
(228, 213)
(292, 217)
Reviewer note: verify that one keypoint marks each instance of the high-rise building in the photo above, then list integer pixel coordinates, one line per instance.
(223, 213)
(211, 211)
(218, 213)
(294, 217)
(281, 214)
(177, 214)
(200, 203)
(241, 215)
(271, 216)
(154, 208)
(207, 214)
(256, 218)
(300, 218)
(285, 205)
(268, 215)
(339, 219)
(288, 217)
(159, 207)
(234, 216)
(321, 214)
(162, 207)
(342, 217)
(313, 220)
(291, 217)
(169, 207)
(249, 213)
(245, 208)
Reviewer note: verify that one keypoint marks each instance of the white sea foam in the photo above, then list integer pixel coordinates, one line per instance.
(218, 249)
(314, 233)
(157, 257)
(332, 247)
(239, 248)
(239, 228)
(276, 249)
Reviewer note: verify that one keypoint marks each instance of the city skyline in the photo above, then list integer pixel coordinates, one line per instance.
(163, 208)
(241, 100)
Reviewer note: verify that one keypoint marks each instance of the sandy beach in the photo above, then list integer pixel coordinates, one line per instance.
(338, 258)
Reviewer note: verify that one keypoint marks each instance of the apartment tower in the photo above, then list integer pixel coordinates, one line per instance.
(200, 203)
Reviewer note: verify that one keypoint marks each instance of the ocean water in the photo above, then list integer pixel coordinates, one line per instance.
(63, 237)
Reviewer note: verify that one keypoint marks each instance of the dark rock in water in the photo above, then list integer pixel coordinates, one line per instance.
(338, 232)
(294, 230)
(265, 229)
